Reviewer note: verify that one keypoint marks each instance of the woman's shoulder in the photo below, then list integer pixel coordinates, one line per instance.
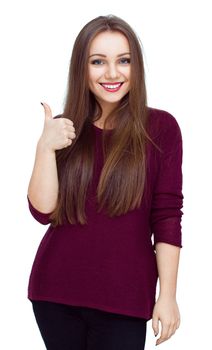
(161, 116)
(161, 122)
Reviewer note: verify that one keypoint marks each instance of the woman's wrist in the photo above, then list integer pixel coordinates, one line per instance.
(43, 146)
(167, 295)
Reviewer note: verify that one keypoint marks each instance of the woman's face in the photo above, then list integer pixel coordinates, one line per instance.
(109, 67)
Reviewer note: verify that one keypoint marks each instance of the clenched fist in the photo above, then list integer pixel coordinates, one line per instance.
(57, 133)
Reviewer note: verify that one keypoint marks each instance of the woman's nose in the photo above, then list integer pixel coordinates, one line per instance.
(112, 72)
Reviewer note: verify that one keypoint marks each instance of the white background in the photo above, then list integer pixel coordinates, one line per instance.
(36, 43)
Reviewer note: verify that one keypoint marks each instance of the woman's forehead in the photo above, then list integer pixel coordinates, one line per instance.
(109, 43)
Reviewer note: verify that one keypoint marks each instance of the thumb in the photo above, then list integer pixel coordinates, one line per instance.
(155, 325)
(47, 110)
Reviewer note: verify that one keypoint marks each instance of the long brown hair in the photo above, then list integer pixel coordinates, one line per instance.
(122, 181)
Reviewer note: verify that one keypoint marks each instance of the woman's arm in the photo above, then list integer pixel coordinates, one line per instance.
(43, 186)
(166, 215)
(166, 309)
(167, 257)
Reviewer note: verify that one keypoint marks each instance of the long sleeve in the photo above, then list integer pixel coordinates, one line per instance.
(42, 218)
(167, 198)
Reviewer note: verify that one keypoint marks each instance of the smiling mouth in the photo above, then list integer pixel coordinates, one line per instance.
(112, 87)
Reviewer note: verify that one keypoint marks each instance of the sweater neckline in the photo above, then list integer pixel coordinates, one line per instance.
(100, 130)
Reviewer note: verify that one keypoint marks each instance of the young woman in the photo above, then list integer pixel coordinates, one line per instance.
(108, 179)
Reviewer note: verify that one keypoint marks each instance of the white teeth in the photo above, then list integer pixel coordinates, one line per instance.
(111, 86)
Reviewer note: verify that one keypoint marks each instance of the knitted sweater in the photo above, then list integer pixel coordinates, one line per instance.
(110, 263)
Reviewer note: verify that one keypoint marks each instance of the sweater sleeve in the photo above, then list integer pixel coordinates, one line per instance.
(42, 218)
(167, 200)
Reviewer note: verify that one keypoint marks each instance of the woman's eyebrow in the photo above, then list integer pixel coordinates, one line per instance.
(100, 54)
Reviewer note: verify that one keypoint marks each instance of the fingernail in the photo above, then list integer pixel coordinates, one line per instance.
(42, 103)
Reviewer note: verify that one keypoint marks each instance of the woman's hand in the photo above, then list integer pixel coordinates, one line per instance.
(57, 133)
(166, 311)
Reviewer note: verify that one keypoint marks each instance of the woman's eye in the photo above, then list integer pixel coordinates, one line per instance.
(97, 62)
(125, 60)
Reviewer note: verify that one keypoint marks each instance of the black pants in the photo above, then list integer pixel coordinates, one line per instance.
(65, 327)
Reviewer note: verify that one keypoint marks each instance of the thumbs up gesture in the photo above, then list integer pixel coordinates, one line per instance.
(57, 133)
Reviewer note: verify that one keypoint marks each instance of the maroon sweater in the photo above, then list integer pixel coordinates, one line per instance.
(110, 263)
